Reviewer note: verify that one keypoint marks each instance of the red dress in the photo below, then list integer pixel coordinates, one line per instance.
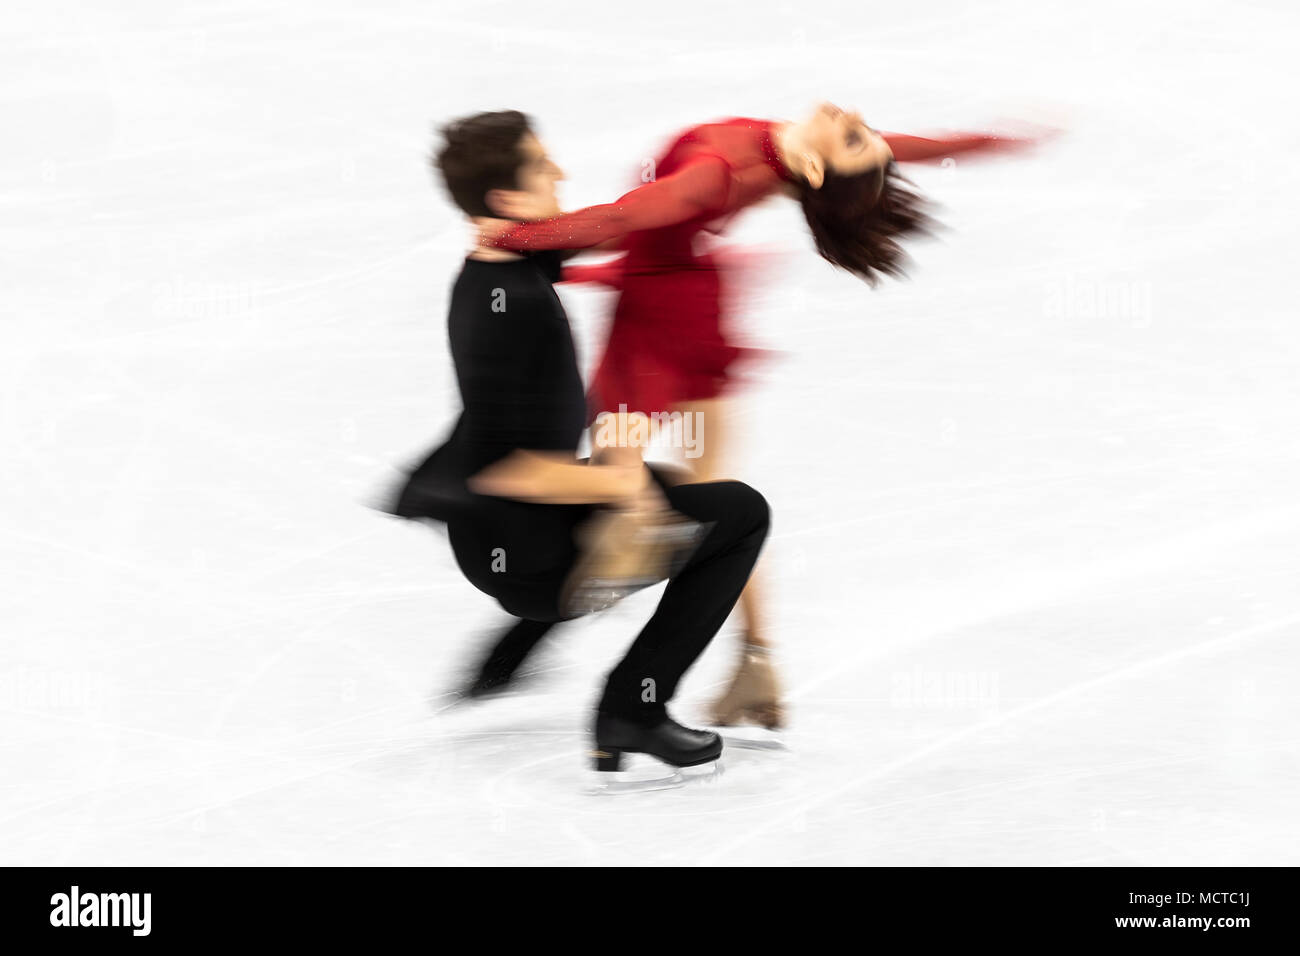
(667, 343)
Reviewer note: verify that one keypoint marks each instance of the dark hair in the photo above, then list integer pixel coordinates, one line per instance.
(857, 220)
(481, 153)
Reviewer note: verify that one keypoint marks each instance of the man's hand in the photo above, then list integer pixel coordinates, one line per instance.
(648, 501)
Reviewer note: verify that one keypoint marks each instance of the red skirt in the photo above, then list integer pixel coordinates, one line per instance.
(669, 343)
(666, 344)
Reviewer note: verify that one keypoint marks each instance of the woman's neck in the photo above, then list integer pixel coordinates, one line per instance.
(785, 138)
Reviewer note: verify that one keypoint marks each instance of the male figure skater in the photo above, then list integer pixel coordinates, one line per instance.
(508, 482)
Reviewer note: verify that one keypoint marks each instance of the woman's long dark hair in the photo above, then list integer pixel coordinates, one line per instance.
(858, 220)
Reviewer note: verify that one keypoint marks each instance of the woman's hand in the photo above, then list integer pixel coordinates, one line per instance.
(489, 230)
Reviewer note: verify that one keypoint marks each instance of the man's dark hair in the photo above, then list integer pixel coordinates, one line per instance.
(481, 153)
(857, 220)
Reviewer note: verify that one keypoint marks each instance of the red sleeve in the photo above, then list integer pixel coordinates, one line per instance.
(601, 273)
(699, 186)
(910, 149)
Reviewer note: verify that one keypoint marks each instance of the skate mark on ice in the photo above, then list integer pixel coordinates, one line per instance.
(1136, 669)
(983, 603)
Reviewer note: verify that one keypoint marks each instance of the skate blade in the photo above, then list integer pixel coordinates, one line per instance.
(458, 702)
(450, 701)
(679, 777)
(463, 704)
(752, 738)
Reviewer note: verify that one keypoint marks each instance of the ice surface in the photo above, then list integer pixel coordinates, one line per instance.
(1034, 567)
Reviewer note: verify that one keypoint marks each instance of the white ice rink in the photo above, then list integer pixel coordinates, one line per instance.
(1034, 567)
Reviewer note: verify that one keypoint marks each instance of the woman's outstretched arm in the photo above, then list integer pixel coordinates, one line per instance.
(916, 149)
(609, 273)
(699, 187)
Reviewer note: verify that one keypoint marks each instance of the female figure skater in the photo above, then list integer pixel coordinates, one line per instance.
(668, 350)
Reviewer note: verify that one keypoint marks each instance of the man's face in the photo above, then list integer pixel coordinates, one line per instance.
(535, 198)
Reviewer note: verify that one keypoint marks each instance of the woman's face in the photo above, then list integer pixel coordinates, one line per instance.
(843, 140)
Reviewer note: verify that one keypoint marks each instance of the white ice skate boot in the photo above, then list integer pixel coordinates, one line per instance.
(754, 695)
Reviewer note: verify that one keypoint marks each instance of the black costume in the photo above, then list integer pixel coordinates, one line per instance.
(521, 389)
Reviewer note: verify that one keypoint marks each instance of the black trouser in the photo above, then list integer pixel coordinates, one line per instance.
(694, 606)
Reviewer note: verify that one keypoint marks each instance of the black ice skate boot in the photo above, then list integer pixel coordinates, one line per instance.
(667, 740)
(499, 671)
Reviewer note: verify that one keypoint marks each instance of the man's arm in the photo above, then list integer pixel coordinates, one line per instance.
(616, 474)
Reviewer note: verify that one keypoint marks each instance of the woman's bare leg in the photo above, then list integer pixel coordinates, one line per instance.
(754, 692)
(711, 432)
